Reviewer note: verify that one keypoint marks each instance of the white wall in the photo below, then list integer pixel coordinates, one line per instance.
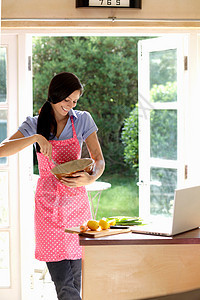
(151, 9)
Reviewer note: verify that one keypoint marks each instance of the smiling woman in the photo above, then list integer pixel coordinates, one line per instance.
(59, 132)
(63, 107)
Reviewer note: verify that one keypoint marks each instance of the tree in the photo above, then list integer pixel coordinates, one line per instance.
(107, 67)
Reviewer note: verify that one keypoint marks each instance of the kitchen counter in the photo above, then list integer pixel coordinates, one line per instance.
(190, 237)
(138, 266)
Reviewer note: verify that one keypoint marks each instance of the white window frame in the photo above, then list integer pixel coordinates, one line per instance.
(145, 106)
(20, 169)
(25, 108)
(13, 291)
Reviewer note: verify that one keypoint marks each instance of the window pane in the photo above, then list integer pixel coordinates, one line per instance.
(163, 76)
(163, 184)
(3, 74)
(163, 139)
(4, 260)
(3, 131)
(4, 217)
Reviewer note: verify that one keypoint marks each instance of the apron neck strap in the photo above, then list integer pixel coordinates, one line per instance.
(73, 128)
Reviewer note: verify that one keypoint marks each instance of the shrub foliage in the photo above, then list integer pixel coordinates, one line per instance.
(107, 67)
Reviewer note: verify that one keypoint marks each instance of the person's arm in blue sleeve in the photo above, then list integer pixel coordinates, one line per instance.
(18, 142)
(96, 154)
(24, 137)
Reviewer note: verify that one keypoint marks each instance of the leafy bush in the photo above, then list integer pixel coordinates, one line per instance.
(107, 66)
(164, 93)
(163, 124)
(130, 140)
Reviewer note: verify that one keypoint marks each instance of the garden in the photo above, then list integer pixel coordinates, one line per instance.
(108, 68)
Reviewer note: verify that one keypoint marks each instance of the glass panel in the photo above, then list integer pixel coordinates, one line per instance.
(163, 76)
(4, 260)
(3, 131)
(163, 134)
(3, 74)
(4, 219)
(163, 184)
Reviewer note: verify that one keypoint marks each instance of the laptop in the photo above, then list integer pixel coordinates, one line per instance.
(186, 215)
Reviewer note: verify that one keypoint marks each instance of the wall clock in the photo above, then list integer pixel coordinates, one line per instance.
(109, 3)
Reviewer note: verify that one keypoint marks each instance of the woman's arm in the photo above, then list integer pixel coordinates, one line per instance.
(18, 142)
(83, 178)
(96, 154)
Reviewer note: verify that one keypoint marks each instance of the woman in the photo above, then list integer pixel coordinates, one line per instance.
(59, 132)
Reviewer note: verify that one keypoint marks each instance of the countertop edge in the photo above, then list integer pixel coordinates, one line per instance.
(191, 237)
(98, 242)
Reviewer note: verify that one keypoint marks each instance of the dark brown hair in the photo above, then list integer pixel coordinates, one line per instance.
(61, 86)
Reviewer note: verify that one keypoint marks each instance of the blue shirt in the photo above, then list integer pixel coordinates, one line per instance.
(83, 123)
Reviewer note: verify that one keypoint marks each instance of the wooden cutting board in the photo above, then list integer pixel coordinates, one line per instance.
(96, 234)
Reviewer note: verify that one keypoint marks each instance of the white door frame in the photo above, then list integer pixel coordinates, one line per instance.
(145, 106)
(20, 169)
(25, 108)
(24, 168)
(13, 291)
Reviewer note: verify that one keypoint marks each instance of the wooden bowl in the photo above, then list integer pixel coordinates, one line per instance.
(73, 166)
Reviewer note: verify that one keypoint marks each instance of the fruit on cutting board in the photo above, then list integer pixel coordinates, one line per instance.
(93, 224)
(104, 224)
(83, 227)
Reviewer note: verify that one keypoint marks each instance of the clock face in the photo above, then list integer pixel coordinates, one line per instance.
(107, 3)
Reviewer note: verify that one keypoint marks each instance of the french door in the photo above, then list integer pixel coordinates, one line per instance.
(162, 66)
(16, 192)
(9, 200)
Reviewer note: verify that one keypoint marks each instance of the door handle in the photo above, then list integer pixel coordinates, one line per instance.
(141, 183)
(155, 182)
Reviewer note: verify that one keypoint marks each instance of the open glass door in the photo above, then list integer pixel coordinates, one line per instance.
(161, 123)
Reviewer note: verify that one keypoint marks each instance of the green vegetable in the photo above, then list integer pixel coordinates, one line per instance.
(126, 221)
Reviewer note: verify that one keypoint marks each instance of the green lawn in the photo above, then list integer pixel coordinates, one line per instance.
(120, 199)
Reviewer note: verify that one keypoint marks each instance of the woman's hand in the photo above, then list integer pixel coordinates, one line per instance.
(18, 142)
(45, 146)
(83, 178)
(78, 179)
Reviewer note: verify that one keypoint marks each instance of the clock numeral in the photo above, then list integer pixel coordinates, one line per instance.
(109, 2)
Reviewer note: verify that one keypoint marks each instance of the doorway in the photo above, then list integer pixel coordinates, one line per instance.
(192, 161)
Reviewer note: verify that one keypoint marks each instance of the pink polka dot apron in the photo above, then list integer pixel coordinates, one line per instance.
(58, 207)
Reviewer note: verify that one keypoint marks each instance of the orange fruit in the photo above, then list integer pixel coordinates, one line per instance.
(93, 224)
(104, 224)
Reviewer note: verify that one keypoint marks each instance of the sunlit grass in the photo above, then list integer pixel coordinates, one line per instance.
(120, 199)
